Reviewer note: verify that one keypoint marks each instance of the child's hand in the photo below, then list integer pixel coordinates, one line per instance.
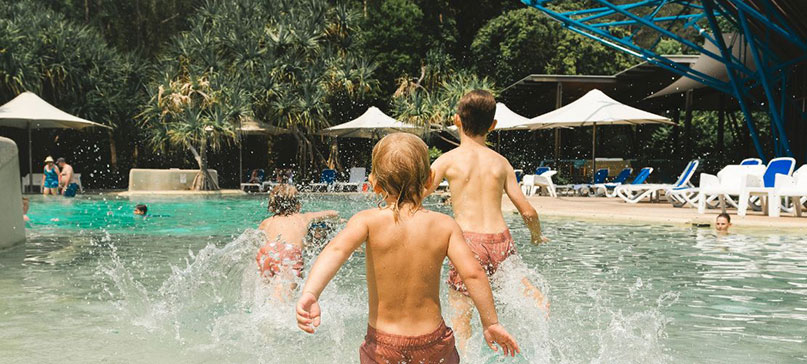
(496, 334)
(308, 313)
(538, 238)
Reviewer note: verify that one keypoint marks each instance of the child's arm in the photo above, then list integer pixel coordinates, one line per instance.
(328, 263)
(523, 206)
(438, 173)
(479, 289)
(322, 215)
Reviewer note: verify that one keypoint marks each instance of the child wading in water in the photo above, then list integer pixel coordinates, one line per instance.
(285, 232)
(477, 176)
(406, 247)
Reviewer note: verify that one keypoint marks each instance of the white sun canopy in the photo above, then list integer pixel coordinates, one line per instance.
(372, 124)
(595, 108)
(29, 111)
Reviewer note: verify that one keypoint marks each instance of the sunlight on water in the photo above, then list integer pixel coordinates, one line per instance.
(100, 287)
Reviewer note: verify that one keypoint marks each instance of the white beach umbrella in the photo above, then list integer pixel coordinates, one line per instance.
(594, 109)
(506, 119)
(372, 124)
(29, 111)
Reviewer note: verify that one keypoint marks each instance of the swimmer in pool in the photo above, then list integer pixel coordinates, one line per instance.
(405, 249)
(141, 210)
(282, 255)
(477, 177)
(723, 223)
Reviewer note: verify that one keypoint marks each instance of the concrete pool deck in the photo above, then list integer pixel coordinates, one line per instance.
(614, 209)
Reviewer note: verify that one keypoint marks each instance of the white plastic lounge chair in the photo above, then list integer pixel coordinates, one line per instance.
(730, 181)
(637, 183)
(794, 187)
(634, 193)
(531, 183)
(357, 176)
(608, 189)
(763, 186)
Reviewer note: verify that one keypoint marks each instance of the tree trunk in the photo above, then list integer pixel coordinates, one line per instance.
(204, 180)
(113, 151)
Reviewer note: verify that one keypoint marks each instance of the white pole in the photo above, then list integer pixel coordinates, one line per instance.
(30, 161)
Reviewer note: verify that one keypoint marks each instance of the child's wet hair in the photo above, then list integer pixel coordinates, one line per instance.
(142, 208)
(283, 200)
(401, 169)
(725, 216)
(477, 110)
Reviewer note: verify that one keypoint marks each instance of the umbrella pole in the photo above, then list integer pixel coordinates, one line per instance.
(30, 161)
(593, 152)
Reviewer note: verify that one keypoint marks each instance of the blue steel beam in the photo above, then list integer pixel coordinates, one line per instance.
(596, 23)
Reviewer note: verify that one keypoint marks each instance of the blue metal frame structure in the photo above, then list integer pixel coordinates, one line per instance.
(608, 23)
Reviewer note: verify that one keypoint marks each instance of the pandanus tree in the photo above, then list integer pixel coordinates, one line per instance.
(294, 61)
(195, 113)
(430, 100)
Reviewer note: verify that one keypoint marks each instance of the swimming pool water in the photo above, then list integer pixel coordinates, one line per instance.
(96, 284)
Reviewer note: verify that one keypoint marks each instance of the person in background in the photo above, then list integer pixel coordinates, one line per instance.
(255, 176)
(50, 178)
(723, 223)
(68, 182)
(25, 205)
(141, 210)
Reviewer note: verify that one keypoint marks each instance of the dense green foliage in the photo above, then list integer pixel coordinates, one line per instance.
(177, 76)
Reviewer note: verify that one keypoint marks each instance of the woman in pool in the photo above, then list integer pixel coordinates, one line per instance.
(50, 178)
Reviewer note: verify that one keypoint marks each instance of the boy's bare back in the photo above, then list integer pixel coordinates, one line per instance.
(289, 229)
(478, 177)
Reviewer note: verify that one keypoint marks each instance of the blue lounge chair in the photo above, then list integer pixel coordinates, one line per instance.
(751, 162)
(637, 187)
(763, 186)
(635, 193)
(326, 181)
(586, 188)
(541, 170)
(607, 189)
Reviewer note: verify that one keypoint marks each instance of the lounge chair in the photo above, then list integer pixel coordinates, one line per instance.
(640, 179)
(530, 184)
(357, 176)
(763, 186)
(519, 174)
(541, 170)
(608, 189)
(254, 186)
(730, 181)
(326, 183)
(634, 193)
(751, 162)
(586, 188)
(794, 186)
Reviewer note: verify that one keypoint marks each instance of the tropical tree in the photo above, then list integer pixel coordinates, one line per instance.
(195, 113)
(292, 60)
(430, 100)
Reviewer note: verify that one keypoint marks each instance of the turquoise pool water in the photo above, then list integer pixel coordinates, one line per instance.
(94, 284)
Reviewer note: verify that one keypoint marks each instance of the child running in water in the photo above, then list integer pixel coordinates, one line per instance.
(477, 176)
(406, 247)
(285, 231)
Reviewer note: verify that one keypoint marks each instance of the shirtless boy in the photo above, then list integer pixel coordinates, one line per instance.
(405, 249)
(477, 176)
(285, 232)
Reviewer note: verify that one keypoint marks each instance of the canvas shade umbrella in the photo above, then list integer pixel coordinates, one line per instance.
(29, 111)
(251, 126)
(594, 109)
(372, 124)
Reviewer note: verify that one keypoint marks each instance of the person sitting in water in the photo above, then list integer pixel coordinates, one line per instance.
(406, 246)
(723, 223)
(477, 176)
(285, 230)
(50, 178)
(256, 176)
(141, 210)
(68, 180)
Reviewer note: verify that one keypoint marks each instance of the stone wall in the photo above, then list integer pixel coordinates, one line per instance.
(164, 179)
(12, 227)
